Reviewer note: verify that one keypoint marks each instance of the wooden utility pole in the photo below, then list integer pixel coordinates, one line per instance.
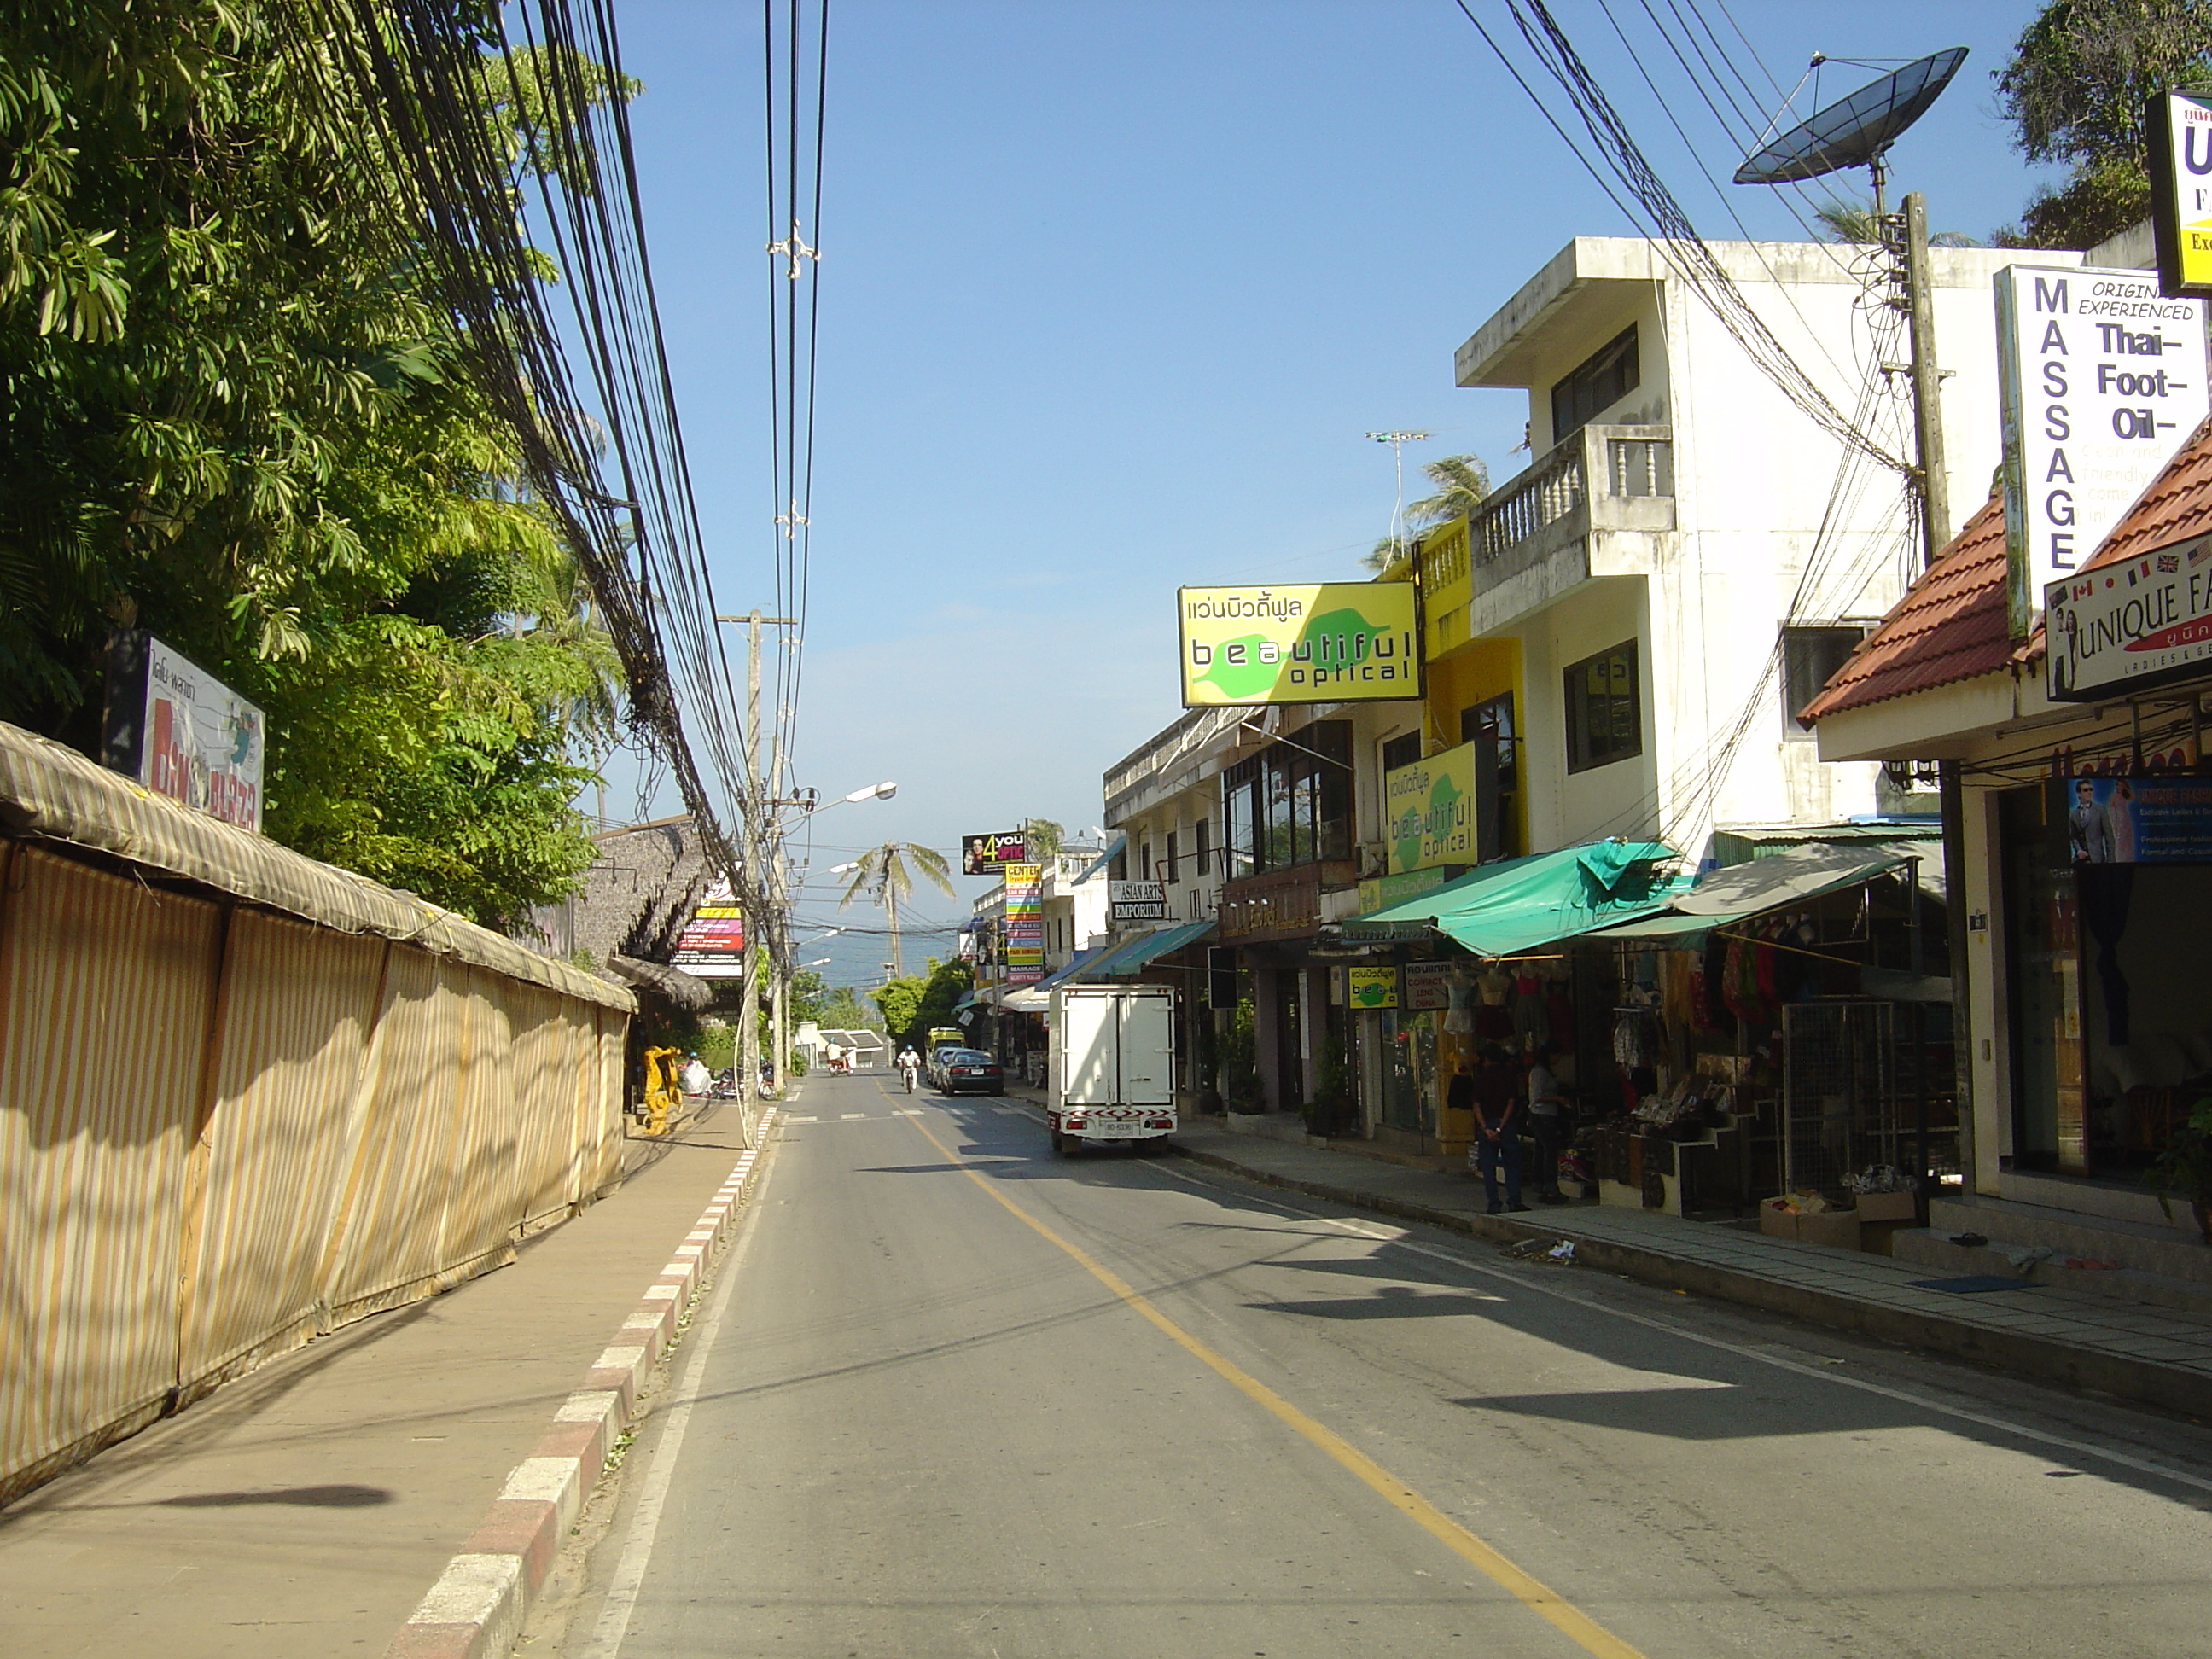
(759, 814)
(1934, 480)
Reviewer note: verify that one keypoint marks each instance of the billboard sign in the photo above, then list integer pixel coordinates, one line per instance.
(2102, 377)
(1371, 987)
(1428, 812)
(2148, 818)
(181, 732)
(990, 854)
(1428, 984)
(713, 943)
(1024, 924)
(2179, 126)
(2123, 627)
(1137, 901)
(1318, 642)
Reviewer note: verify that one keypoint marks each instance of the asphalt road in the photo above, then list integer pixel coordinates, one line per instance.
(953, 1395)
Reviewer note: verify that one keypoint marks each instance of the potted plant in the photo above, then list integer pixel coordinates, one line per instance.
(2185, 1167)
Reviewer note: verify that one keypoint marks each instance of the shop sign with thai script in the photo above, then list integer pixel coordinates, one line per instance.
(2130, 626)
(2180, 133)
(1371, 987)
(1428, 811)
(1316, 642)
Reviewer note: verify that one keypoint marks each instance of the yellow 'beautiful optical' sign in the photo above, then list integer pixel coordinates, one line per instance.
(1319, 643)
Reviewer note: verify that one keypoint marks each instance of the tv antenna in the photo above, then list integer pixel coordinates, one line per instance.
(1856, 132)
(1398, 440)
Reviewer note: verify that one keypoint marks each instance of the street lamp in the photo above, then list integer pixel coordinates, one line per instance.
(806, 801)
(873, 791)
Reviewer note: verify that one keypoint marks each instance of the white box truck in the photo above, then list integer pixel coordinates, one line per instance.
(1113, 1064)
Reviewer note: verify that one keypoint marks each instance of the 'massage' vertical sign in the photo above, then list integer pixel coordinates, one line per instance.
(2102, 377)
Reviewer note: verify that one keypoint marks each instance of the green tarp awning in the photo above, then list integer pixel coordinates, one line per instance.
(1722, 897)
(1517, 904)
(1131, 956)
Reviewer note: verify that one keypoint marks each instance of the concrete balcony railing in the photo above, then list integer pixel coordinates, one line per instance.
(1533, 538)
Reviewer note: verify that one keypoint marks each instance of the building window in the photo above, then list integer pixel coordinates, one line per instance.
(1810, 657)
(1144, 865)
(1205, 834)
(1172, 859)
(1605, 709)
(1117, 868)
(1497, 775)
(1291, 802)
(1402, 751)
(1608, 376)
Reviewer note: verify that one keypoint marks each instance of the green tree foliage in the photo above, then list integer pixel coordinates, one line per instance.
(236, 414)
(1462, 484)
(2075, 90)
(912, 1006)
(843, 1009)
(1045, 836)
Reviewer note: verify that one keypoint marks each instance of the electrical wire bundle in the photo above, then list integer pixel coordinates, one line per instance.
(479, 123)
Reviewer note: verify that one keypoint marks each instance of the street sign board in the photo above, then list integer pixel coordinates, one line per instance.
(1428, 811)
(2102, 377)
(1316, 642)
(2123, 627)
(181, 732)
(1024, 924)
(2179, 126)
(1372, 988)
(989, 854)
(713, 943)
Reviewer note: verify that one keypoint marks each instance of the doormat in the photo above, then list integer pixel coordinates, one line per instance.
(1972, 1284)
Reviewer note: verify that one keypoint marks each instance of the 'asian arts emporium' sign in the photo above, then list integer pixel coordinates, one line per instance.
(1321, 642)
(2102, 379)
(1428, 811)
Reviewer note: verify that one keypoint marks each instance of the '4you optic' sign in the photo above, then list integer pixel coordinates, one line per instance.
(2104, 378)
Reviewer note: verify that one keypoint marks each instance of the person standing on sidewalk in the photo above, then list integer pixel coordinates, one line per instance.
(1548, 1124)
(1497, 1130)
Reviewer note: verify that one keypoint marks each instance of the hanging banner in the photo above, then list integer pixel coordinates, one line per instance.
(181, 732)
(1137, 901)
(2179, 126)
(1320, 642)
(989, 854)
(2130, 626)
(1428, 812)
(713, 943)
(2149, 818)
(1024, 924)
(2102, 379)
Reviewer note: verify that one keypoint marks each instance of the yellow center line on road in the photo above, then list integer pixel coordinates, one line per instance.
(1545, 1603)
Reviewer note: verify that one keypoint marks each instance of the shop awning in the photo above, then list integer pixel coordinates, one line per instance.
(1131, 956)
(1030, 999)
(1789, 876)
(1516, 904)
(1069, 969)
(1119, 845)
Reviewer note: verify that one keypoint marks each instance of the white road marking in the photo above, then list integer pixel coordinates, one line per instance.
(1383, 1235)
(850, 1117)
(629, 1579)
(802, 1120)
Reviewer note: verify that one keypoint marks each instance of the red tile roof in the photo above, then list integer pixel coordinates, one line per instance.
(2177, 505)
(1950, 626)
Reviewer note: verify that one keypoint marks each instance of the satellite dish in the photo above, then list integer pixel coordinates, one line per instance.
(1858, 131)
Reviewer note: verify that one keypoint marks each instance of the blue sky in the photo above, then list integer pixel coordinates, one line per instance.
(1111, 292)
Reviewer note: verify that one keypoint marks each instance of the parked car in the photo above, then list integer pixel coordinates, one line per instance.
(934, 1067)
(971, 1071)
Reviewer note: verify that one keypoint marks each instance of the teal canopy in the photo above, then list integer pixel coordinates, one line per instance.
(1516, 904)
(1131, 956)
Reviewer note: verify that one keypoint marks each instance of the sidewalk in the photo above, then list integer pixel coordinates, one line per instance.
(2158, 1355)
(306, 1508)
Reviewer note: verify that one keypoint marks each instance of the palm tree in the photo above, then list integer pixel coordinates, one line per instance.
(882, 873)
(1854, 221)
(1462, 484)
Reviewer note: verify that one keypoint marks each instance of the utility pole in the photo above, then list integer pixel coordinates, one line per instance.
(1935, 479)
(759, 815)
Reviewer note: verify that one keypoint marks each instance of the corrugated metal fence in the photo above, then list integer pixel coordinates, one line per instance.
(223, 1130)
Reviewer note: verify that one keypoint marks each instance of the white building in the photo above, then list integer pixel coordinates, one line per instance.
(1691, 554)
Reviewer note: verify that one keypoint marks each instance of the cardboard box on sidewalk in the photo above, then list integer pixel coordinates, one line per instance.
(1836, 1227)
(1885, 1206)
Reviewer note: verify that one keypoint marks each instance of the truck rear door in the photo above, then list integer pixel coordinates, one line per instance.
(1147, 1051)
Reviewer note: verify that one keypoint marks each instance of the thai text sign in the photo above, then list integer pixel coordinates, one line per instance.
(181, 732)
(2148, 818)
(1137, 901)
(1322, 642)
(989, 854)
(1371, 987)
(2102, 379)
(1428, 984)
(2180, 131)
(2133, 625)
(1428, 811)
(713, 943)
(1024, 924)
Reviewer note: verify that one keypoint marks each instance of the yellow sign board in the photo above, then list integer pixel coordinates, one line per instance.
(2181, 192)
(1428, 811)
(1371, 987)
(1319, 643)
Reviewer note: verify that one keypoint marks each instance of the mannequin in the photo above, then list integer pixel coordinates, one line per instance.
(1459, 992)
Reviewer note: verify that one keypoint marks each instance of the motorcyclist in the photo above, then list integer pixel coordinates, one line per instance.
(909, 1065)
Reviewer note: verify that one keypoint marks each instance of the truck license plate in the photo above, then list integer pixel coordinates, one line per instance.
(1114, 1129)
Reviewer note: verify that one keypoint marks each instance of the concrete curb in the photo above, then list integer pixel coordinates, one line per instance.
(2130, 1377)
(476, 1610)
